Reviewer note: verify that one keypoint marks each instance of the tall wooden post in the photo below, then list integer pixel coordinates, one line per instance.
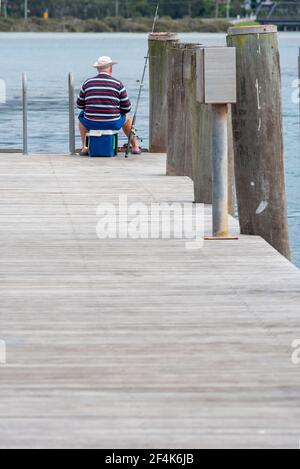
(179, 71)
(158, 45)
(258, 136)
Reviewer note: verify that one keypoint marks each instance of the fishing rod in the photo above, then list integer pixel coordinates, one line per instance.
(132, 130)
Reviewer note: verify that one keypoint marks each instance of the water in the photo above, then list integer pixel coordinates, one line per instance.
(47, 58)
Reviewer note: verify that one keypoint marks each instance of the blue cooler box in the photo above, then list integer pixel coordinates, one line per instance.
(103, 143)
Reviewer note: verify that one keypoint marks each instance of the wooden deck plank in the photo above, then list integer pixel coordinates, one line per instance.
(137, 343)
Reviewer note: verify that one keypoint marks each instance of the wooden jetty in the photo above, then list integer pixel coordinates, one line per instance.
(137, 343)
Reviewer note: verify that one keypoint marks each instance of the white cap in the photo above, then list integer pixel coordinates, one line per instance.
(104, 62)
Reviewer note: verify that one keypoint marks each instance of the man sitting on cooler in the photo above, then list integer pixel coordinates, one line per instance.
(105, 104)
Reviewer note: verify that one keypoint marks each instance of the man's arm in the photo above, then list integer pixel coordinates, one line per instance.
(125, 104)
(81, 99)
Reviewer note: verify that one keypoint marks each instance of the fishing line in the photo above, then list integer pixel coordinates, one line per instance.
(132, 130)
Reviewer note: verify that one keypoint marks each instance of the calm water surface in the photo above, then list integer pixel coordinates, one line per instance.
(47, 58)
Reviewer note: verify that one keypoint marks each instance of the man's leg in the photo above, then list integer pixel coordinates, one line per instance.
(83, 134)
(127, 128)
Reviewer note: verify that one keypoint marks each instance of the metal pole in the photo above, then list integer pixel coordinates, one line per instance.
(220, 170)
(25, 114)
(26, 10)
(72, 143)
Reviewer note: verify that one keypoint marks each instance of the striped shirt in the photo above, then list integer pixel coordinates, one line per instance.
(103, 98)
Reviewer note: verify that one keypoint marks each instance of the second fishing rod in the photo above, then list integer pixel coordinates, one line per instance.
(132, 130)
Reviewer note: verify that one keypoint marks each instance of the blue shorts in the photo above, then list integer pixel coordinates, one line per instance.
(97, 125)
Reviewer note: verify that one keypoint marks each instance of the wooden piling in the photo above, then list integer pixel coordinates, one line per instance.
(158, 45)
(179, 160)
(189, 123)
(258, 136)
(156, 344)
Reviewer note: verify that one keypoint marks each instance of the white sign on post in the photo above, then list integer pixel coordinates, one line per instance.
(216, 75)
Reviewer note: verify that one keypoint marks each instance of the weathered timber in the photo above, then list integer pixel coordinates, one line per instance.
(258, 136)
(158, 45)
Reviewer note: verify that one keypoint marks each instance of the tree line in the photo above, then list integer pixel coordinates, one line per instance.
(99, 9)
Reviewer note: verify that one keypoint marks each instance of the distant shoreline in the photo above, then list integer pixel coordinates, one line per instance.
(112, 24)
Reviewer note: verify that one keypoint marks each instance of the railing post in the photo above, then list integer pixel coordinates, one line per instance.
(72, 142)
(25, 114)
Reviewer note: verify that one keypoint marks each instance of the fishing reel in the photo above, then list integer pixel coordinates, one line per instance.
(134, 133)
